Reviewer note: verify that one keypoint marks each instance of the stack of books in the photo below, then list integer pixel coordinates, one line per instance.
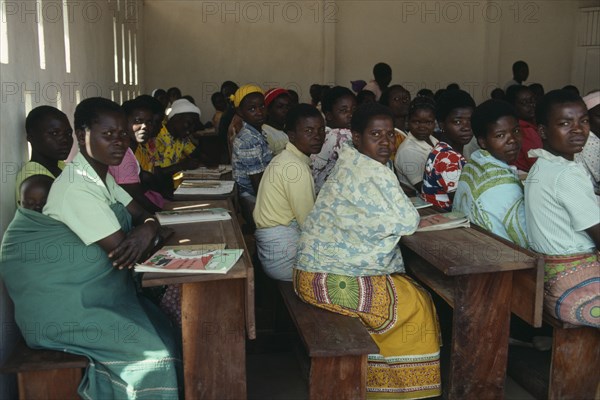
(191, 216)
(440, 222)
(207, 173)
(205, 188)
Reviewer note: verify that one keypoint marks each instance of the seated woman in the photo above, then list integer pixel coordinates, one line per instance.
(563, 217)
(338, 104)
(287, 196)
(397, 98)
(489, 191)
(444, 163)
(80, 297)
(51, 138)
(349, 261)
(413, 152)
(278, 103)
(127, 174)
(523, 99)
(175, 150)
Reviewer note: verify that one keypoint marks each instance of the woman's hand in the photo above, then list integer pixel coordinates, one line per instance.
(137, 243)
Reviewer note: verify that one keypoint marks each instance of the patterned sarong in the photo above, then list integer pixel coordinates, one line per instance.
(572, 288)
(401, 319)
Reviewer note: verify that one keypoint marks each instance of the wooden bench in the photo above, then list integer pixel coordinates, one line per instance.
(337, 346)
(45, 374)
(575, 358)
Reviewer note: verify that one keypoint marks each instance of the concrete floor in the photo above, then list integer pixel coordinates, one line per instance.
(277, 376)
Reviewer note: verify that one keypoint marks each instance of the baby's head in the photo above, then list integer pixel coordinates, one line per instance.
(34, 192)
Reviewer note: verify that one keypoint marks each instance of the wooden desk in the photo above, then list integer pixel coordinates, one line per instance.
(473, 272)
(216, 310)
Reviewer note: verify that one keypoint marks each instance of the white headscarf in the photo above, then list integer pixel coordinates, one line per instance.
(182, 106)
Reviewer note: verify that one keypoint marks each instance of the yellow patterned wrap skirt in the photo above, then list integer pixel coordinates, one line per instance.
(401, 318)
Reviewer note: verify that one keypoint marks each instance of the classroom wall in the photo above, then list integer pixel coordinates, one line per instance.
(196, 45)
(25, 83)
(296, 43)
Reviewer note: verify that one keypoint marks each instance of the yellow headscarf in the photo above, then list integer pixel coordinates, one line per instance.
(243, 92)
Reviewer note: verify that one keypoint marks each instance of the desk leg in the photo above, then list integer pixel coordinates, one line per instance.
(214, 346)
(575, 364)
(480, 336)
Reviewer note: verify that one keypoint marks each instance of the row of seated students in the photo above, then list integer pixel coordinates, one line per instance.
(336, 235)
(329, 212)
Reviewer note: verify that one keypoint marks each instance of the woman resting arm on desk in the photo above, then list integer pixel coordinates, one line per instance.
(75, 293)
(563, 217)
(349, 261)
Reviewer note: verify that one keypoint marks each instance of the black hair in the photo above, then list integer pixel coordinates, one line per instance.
(215, 96)
(518, 65)
(513, 91)
(298, 112)
(453, 86)
(438, 94)
(425, 93)
(315, 92)
(293, 95)
(333, 95)
(385, 95)
(488, 113)
(451, 100)
(174, 89)
(552, 98)
(366, 112)
(88, 111)
(362, 96)
(36, 115)
(537, 89)
(145, 101)
(230, 84)
(421, 103)
(498, 94)
(572, 88)
(159, 92)
(381, 70)
(39, 179)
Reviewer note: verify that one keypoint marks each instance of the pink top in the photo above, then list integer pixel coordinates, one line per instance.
(128, 172)
(530, 139)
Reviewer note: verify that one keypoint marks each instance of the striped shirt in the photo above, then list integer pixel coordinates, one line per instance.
(559, 206)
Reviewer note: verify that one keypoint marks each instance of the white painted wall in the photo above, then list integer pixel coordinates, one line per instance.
(196, 45)
(25, 85)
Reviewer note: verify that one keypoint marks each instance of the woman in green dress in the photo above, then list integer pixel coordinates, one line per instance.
(67, 270)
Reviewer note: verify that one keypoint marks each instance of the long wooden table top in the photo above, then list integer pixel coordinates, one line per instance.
(472, 250)
(213, 232)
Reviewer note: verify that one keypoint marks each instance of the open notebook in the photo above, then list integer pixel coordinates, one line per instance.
(193, 259)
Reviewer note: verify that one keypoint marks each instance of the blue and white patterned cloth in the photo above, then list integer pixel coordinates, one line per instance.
(357, 221)
(250, 156)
